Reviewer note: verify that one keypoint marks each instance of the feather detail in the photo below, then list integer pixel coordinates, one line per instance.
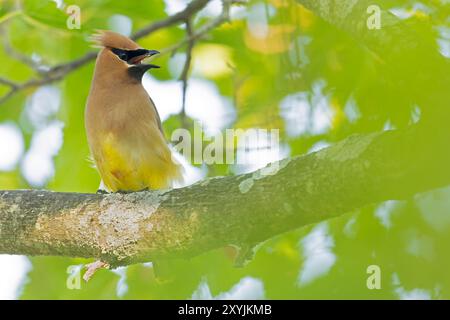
(91, 161)
(110, 39)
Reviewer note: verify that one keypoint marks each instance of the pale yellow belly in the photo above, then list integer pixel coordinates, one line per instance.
(133, 169)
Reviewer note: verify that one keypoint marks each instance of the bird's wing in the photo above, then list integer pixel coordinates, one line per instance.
(158, 118)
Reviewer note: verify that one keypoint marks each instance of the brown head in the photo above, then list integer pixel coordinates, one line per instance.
(120, 57)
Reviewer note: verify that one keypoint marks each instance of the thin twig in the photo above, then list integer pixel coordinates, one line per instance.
(190, 40)
(8, 83)
(36, 66)
(205, 29)
(185, 72)
(192, 8)
(29, 84)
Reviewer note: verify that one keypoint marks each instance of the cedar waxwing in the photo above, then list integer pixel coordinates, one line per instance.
(123, 127)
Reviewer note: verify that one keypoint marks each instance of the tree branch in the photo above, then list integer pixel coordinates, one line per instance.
(241, 210)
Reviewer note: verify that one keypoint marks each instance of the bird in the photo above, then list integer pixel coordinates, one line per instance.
(123, 126)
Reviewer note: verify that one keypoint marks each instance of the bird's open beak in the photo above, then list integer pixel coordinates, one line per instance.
(142, 54)
(137, 68)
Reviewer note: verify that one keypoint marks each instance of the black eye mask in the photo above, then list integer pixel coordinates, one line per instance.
(132, 56)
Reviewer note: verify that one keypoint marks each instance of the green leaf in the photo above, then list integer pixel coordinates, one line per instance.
(45, 12)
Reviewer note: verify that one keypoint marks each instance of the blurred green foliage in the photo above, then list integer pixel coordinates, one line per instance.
(277, 56)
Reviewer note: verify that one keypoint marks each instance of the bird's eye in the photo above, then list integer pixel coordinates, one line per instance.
(121, 54)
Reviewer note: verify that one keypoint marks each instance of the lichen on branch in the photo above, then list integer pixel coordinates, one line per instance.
(242, 210)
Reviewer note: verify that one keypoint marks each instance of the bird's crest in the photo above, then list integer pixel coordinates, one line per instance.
(106, 38)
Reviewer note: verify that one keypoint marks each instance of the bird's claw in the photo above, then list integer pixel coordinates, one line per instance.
(92, 268)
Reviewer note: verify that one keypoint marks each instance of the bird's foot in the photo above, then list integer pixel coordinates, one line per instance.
(101, 191)
(93, 267)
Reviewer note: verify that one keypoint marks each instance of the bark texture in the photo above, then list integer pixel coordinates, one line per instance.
(237, 210)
